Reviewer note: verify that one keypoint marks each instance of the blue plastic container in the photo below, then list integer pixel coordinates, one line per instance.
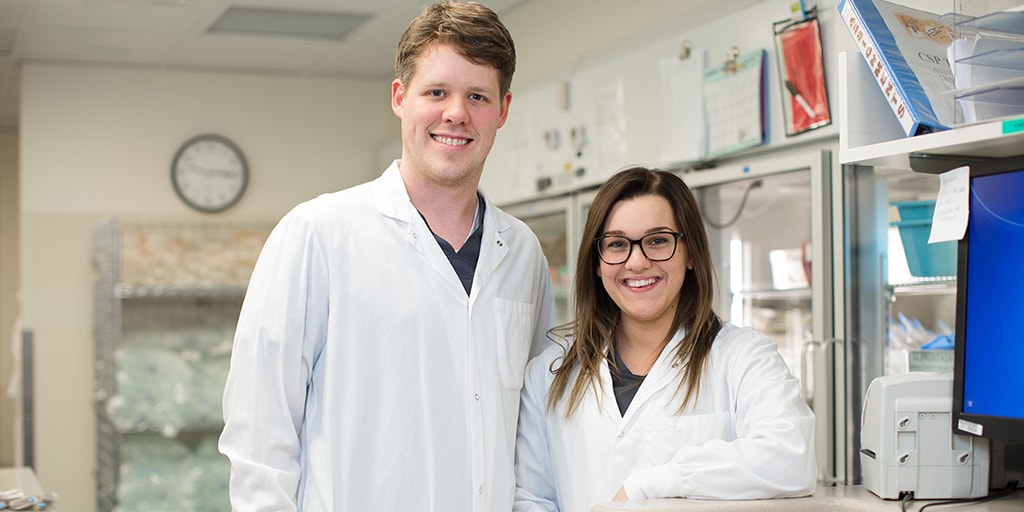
(915, 225)
(915, 210)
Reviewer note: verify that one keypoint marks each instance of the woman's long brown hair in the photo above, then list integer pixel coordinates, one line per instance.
(589, 339)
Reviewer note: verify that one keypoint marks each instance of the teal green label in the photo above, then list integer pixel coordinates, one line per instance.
(1013, 126)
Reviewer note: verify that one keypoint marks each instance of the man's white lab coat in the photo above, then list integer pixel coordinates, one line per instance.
(749, 435)
(363, 377)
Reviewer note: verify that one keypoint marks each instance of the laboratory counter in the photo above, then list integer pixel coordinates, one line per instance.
(846, 498)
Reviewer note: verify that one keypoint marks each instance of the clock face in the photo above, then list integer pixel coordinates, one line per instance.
(209, 173)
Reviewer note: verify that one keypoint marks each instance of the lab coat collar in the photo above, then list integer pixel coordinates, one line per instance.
(392, 200)
(663, 373)
(391, 197)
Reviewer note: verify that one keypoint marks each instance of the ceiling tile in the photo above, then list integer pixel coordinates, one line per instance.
(96, 46)
(245, 53)
(149, 16)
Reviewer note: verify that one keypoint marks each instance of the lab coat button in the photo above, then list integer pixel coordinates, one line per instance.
(476, 396)
(621, 435)
(481, 489)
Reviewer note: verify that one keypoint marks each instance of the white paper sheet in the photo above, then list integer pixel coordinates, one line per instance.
(949, 221)
(682, 87)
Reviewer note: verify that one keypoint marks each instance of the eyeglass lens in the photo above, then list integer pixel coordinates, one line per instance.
(659, 246)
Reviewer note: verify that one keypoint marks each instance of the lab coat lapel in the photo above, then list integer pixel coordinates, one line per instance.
(606, 404)
(393, 202)
(493, 246)
(663, 373)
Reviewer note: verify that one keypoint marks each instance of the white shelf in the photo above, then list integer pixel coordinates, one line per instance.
(870, 135)
(988, 140)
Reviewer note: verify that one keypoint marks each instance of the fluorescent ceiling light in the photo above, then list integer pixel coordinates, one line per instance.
(287, 24)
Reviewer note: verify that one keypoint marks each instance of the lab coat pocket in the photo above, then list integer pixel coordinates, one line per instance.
(514, 323)
(666, 435)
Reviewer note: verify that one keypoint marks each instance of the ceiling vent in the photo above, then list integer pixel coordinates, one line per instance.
(286, 24)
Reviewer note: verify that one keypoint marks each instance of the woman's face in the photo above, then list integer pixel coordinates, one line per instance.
(646, 291)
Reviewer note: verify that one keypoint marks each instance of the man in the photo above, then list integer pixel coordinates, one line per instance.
(381, 346)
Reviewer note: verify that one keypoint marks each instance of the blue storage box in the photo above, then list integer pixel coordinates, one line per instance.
(915, 225)
(915, 210)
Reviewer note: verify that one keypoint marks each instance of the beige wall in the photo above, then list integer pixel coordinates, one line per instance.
(98, 142)
(9, 307)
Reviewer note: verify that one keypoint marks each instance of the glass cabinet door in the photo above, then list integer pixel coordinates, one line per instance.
(760, 234)
(550, 220)
(920, 284)
(770, 231)
(900, 302)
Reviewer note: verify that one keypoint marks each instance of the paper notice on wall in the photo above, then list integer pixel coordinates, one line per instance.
(610, 141)
(949, 222)
(684, 129)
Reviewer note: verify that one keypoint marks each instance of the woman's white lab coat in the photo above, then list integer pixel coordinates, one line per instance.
(362, 375)
(749, 434)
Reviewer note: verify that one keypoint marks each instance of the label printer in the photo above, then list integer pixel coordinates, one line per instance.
(908, 445)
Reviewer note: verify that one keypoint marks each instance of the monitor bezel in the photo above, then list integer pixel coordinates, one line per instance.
(991, 427)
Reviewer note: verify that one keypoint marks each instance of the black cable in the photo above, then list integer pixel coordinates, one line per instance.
(1005, 491)
(907, 498)
(746, 193)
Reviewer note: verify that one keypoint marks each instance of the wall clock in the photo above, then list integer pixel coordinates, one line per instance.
(209, 173)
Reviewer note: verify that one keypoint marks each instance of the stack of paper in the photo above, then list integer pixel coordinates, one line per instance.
(988, 65)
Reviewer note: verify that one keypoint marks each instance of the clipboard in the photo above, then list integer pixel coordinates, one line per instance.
(734, 103)
(802, 73)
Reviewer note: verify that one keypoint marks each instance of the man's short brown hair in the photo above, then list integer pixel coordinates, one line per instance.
(471, 29)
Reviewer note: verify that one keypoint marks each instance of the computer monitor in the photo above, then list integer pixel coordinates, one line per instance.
(988, 371)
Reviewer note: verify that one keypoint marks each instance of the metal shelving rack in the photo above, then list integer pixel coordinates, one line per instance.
(173, 289)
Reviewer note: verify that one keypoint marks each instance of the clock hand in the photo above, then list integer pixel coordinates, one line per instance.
(209, 171)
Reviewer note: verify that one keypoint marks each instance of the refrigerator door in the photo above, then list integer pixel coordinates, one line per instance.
(551, 220)
(901, 294)
(770, 231)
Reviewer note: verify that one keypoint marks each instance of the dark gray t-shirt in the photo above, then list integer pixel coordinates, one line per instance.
(464, 260)
(624, 383)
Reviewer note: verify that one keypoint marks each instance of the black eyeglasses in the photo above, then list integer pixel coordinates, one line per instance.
(657, 246)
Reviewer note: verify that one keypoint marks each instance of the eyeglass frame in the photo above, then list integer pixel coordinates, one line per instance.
(676, 235)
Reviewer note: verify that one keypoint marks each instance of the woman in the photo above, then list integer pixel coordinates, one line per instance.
(652, 395)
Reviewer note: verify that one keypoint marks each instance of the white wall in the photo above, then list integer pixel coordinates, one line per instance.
(9, 270)
(98, 142)
(556, 39)
(619, 86)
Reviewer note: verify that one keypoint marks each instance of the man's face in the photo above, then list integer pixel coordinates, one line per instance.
(450, 112)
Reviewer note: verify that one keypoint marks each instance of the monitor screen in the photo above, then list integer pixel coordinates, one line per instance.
(988, 387)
